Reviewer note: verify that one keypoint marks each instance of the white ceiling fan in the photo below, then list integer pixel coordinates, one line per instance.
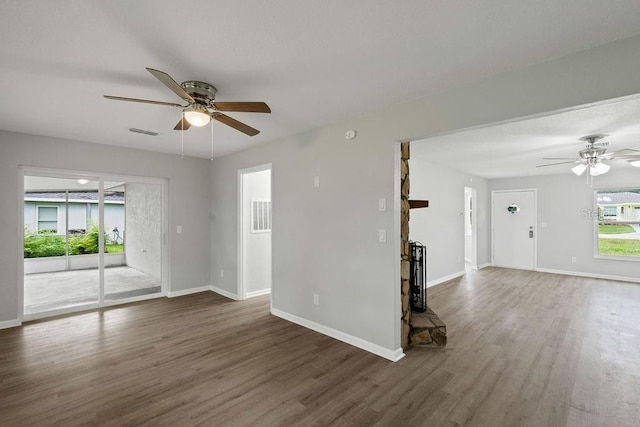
(592, 158)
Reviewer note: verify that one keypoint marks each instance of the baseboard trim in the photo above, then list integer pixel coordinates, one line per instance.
(10, 324)
(183, 292)
(485, 265)
(445, 279)
(224, 293)
(392, 355)
(258, 293)
(592, 275)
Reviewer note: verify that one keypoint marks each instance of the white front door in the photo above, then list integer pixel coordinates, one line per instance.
(514, 229)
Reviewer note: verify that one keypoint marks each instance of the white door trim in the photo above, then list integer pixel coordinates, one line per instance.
(242, 294)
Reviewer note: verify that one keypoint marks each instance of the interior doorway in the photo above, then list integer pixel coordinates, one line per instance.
(254, 231)
(90, 240)
(470, 228)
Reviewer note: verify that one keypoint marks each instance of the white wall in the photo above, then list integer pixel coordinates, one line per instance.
(143, 219)
(563, 203)
(440, 227)
(189, 186)
(325, 239)
(257, 246)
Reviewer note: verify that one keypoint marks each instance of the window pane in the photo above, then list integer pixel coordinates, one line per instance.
(618, 222)
(47, 213)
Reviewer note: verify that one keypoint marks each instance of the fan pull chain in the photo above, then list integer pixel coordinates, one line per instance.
(182, 134)
(211, 121)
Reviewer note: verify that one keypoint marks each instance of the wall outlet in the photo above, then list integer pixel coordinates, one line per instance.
(382, 204)
(222, 272)
(179, 229)
(316, 299)
(382, 236)
(574, 259)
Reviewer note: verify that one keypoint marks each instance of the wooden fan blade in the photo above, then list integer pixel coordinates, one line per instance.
(171, 84)
(246, 129)
(245, 107)
(561, 163)
(182, 125)
(145, 101)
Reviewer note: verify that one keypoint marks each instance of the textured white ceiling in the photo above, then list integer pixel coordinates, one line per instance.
(516, 148)
(313, 62)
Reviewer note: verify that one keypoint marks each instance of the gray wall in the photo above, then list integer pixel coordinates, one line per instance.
(325, 239)
(562, 202)
(143, 203)
(440, 227)
(189, 186)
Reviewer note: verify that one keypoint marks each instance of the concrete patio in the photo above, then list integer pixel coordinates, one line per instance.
(51, 291)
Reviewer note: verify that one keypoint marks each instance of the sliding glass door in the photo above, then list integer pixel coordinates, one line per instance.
(61, 248)
(90, 241)
(140, 237)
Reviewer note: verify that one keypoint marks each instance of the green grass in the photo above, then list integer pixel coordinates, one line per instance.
(615, 229)
(620, 247)
(114, 248)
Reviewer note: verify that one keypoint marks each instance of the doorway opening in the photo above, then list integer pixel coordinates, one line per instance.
(90, 241)
(254, 231)
(470, 228)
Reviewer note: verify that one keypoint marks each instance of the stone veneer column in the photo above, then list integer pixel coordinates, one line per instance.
(405, 250)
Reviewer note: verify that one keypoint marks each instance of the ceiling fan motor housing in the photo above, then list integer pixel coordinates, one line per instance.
(203, 93)
(592, 152)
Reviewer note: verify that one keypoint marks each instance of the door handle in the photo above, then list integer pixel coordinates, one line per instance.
(531, 232)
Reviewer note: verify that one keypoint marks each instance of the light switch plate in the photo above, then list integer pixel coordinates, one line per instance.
(382, 236)
(382, 204)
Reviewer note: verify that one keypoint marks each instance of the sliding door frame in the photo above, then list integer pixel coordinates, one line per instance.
(101, 178)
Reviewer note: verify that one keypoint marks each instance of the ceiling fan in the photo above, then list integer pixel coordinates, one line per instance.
(201, 105)
(592, 157)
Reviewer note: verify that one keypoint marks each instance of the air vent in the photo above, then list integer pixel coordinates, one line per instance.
(144, 132)
(260, 216)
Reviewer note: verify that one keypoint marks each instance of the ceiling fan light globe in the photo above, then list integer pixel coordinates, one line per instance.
(635, 163)
(196, 117)
(579, 169)
(599, 169)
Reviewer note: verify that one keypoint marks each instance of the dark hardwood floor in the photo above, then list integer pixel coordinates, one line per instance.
(524, 348)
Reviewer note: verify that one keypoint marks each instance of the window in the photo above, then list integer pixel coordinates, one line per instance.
(260, 216)
(609, 212)
(47, 218)
(618, 226)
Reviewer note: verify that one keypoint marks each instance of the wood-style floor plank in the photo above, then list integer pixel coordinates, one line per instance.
(524, 348)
